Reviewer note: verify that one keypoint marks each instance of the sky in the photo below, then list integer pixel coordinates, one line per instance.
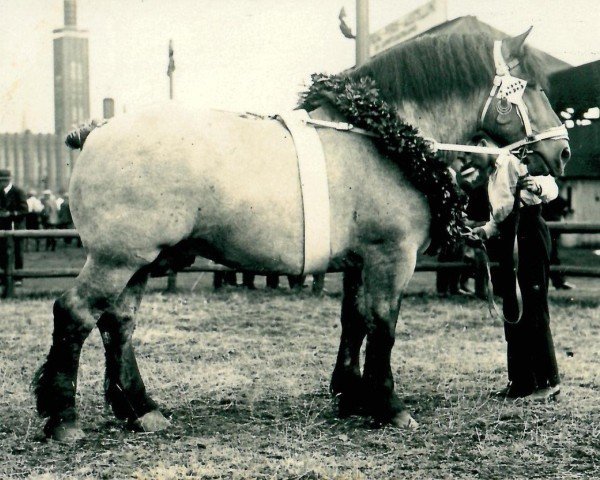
(242, 55)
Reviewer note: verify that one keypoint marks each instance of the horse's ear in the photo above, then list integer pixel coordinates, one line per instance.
(512, 47)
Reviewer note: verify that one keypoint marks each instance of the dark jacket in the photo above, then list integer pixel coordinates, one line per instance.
(13, 208)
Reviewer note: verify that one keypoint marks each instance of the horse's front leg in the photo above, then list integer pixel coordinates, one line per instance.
(387, 270)
(124, 387)
(346, 381)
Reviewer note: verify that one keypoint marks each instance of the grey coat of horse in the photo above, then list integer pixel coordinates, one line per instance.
(153, 187)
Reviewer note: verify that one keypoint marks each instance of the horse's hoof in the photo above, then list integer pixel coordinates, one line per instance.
(64, 432)
(403, 419)
(153, 421)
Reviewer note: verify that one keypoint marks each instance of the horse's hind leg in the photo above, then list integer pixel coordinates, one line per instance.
(387, 270)
(346, 381)
(75, 315)
(124, 387)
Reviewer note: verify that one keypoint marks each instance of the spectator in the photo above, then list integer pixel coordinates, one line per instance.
(49, 217)
(224, 278)
(33, 219)
(59, 199)
(13, 209)
(452, 281)
(248, 280)
(296, 282)
(555, 211)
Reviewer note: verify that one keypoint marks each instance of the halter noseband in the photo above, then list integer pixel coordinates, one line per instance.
(510, 90)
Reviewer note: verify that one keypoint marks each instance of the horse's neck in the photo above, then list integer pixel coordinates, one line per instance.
(454, 120)
(327, 112)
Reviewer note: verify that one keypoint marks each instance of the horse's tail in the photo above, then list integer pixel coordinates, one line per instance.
(76, 138)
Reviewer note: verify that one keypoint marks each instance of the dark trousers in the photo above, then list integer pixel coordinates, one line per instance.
(224, 278)
(448, 281)
(531, 357)
(18, 254)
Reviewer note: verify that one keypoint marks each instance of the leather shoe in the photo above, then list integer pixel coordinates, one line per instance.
(565, 286)
(513, 391)
(543, 395)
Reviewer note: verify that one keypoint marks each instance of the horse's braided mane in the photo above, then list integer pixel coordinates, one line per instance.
(432, 66)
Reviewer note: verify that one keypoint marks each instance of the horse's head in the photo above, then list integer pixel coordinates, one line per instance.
(518, 114)
(451, 86)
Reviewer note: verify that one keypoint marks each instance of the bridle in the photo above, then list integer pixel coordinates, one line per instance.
(509, 91)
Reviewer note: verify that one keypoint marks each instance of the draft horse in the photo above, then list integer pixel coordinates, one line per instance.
(153, 187)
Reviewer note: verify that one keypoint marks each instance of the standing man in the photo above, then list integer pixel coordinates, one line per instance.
(49, 217)
(33, 219)
(516, 193)
(13, 209)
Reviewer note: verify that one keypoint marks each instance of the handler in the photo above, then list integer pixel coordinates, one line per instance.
(531, 359)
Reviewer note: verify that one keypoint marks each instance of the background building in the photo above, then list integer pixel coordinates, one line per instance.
(575, 94)
(39, 160)
(71, 73)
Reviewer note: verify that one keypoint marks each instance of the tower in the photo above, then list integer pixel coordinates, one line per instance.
(71, 72)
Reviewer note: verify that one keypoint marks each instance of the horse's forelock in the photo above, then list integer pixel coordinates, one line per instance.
(437, 66)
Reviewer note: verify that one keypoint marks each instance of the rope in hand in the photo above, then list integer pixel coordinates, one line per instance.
(475, 241)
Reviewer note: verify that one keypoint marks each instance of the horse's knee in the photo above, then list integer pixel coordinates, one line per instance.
(69, 314)
(382, 327)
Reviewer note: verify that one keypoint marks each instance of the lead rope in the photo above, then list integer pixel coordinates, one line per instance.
(480, 244)
(515, 258)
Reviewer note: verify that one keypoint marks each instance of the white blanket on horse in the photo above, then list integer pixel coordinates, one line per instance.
(315, 191)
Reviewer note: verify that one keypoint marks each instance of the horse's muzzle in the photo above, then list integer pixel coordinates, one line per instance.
(555, 153)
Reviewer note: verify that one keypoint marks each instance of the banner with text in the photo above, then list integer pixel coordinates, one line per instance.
(423, 18)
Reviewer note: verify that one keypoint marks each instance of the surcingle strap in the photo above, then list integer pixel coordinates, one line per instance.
(315, 191)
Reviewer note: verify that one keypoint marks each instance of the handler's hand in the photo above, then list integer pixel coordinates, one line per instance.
(480, 232)
(529, 184)
(4, 214)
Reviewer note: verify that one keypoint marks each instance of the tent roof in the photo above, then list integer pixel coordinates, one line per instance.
(585, 145)
(471, 24)
(577, 87)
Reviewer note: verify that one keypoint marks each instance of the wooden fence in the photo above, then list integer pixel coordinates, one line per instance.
(10, 273)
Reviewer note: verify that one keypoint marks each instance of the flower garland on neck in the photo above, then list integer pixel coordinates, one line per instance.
(361, 103)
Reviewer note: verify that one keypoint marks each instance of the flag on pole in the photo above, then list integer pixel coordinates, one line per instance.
(346, 30)
(171, 67)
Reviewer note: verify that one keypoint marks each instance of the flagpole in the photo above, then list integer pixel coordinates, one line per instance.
(362, 32)
(171, 69)
(171, 87)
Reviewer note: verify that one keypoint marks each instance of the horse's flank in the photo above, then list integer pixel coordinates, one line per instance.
(230, 185)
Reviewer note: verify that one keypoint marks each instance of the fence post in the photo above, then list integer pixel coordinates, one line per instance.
(9, 279)
(171, 281)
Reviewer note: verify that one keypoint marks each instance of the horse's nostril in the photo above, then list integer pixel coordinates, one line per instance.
(565, 154)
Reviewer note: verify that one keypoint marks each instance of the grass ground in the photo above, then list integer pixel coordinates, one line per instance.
(244, 378)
